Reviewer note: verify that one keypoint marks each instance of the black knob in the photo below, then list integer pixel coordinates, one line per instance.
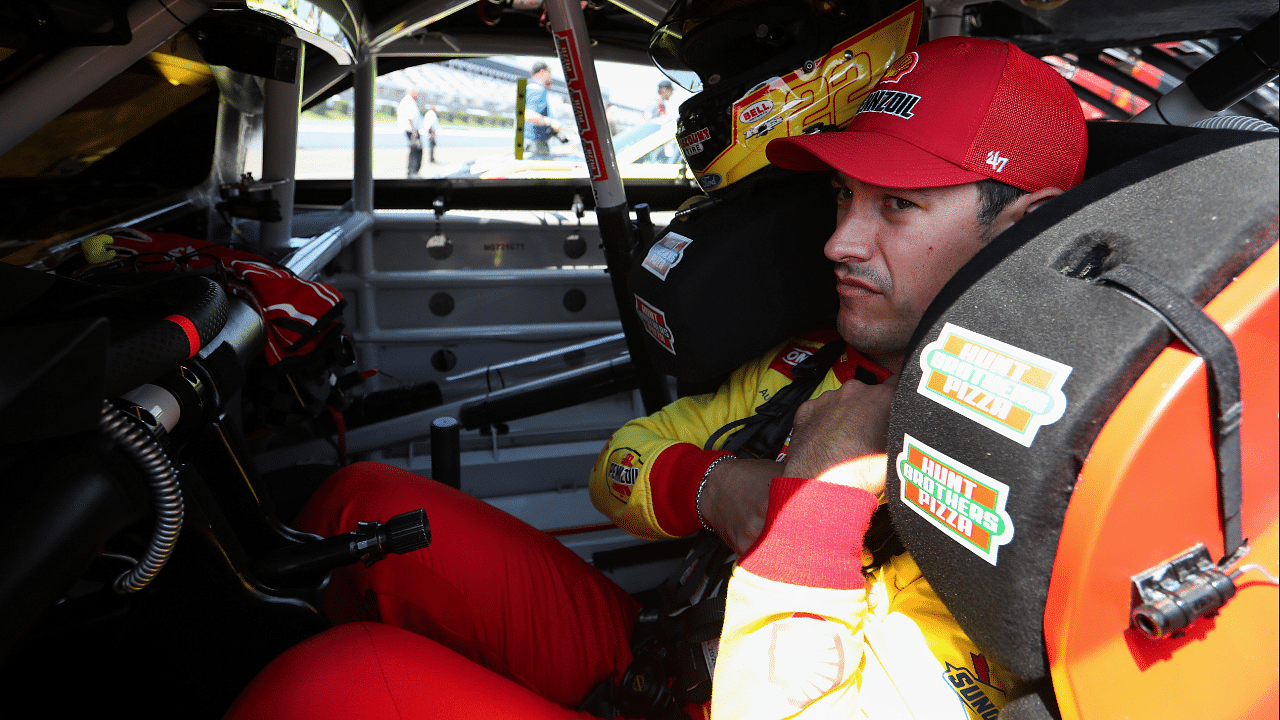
(407, 532)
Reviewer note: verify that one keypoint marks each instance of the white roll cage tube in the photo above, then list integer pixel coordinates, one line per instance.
(947, 18)
(573, 47)
(282, 103)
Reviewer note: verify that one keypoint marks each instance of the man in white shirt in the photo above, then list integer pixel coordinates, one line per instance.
(409, 116)
(431, 123)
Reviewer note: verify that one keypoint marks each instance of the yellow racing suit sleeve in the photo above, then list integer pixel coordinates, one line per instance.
(809, 634)
(646, 477)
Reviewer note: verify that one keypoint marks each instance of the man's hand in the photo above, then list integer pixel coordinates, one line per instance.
(736, 499)
(841, 426)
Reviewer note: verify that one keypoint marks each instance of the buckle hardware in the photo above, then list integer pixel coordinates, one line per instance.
(1166, 599)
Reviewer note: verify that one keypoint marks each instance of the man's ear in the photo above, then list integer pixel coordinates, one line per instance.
(1022, 207)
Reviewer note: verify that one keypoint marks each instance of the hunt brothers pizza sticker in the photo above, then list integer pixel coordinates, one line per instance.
(666, 254)
(1001, 387)
(655, 323)
(962, 502)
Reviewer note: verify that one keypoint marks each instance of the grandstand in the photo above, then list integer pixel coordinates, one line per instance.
(474, 98)
(475, 91)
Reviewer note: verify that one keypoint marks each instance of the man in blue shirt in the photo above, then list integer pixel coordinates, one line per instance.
(540, 126)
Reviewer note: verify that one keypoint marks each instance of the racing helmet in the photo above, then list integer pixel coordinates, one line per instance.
(764, 69)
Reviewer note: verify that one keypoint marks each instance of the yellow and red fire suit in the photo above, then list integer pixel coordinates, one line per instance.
(809, 631)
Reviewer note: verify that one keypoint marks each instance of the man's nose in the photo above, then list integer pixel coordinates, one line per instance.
(854, 238)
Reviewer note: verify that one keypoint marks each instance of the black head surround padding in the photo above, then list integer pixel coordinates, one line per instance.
(1195, 213)
(753, 275)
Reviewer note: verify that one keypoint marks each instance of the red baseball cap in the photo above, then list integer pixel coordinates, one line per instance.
(955, 111)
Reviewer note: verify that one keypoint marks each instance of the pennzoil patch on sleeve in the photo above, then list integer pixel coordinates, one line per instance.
(624, 468)
(1001, 387)
(962, 502)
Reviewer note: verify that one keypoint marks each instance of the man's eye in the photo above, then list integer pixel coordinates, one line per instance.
(898, 203)
(843, 194)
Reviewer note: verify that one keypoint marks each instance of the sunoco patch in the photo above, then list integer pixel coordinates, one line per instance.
(655, 323)
(666, 254)
(975, 689)
(623, 469)
(1001, 387)
(962, 502)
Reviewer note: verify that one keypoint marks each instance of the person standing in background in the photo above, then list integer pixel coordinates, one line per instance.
(611, 114)
(537, 112)
(658, 110)
(409, 117)
(431, 123)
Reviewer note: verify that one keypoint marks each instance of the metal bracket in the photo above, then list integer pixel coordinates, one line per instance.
(574, 245)
(250, 199)
(1169, 597)
(439, 246)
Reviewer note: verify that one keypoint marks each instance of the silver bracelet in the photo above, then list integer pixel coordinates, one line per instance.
(697, 499)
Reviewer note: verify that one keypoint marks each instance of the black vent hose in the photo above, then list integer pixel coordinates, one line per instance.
(155, 465)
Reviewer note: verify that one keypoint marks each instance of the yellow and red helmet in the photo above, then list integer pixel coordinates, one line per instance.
(764, 69)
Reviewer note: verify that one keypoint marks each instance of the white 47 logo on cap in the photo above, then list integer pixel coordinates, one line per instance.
(996, 161)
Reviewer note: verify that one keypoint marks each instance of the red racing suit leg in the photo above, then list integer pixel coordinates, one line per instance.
(490, 587)
(371, 670)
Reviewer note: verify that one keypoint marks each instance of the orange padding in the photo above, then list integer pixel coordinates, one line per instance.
(1146, 493)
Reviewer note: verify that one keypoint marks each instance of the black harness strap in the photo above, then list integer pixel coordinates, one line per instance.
(1200, 333)
(762, 434)
(707, 553)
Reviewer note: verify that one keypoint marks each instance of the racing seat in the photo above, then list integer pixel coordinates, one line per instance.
(1048, 443)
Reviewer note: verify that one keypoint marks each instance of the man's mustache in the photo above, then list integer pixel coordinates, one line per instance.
(878, 280)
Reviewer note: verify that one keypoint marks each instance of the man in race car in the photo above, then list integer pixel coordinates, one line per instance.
(961, 139)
